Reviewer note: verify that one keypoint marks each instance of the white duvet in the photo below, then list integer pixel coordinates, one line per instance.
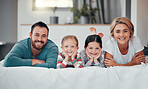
(135, 77)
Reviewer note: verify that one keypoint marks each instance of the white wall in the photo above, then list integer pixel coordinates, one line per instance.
(57, 32)
(142, 21)
(27, 16)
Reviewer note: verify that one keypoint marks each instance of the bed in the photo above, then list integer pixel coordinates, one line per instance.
(134, 77)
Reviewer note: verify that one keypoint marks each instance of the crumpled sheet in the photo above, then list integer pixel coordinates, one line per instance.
(134, 77)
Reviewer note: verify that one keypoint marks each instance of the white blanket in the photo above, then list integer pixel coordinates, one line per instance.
(135, 77)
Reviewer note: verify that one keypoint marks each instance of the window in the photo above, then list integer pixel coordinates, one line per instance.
(46, 4)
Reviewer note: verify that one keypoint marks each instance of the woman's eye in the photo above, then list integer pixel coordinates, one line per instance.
(125, 31)
(118, 31)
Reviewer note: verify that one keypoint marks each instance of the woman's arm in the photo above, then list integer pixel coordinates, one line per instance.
(136, 60)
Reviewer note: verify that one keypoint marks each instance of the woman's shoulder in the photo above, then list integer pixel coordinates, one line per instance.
(135, 40)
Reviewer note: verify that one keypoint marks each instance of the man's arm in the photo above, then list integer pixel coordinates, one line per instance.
(51, 58)
(15, 57)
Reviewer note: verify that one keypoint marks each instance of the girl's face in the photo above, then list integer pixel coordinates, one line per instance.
(122, 34)
(93, 49)
(69, 46)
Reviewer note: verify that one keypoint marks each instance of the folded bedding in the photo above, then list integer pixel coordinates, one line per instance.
(134, 77)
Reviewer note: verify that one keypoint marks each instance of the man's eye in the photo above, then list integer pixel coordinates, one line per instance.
(36, 34)
(44, 36)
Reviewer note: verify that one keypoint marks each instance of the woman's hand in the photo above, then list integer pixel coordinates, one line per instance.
(137, 59)
(110, 62)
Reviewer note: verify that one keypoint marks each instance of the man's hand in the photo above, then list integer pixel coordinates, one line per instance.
(37, 61)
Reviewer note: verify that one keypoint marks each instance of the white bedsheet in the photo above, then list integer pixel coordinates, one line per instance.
(135, 77)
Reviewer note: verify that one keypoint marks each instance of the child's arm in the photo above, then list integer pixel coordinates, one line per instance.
(78, 62)
(89, 63)
(96, 59)
(61, 63)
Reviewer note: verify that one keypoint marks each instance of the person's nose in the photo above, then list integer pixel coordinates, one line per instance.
(40, 38)
(121, 33)
(93, 50)
(69, 48)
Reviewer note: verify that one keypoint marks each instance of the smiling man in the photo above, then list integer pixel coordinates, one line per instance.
(37, 50)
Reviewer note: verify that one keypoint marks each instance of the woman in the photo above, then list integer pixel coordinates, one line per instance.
(123, 49)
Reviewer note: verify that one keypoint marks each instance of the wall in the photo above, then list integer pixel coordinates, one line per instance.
(57, 32)
(8, 25)
(8, 17)
(142, 21)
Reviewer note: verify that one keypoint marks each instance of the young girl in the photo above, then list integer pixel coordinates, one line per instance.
(69, 56)
(123, 49)
(92, 55)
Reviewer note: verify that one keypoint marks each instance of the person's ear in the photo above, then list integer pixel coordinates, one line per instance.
(61, 47)
(30, 34)
(84, 47)
(77, 48)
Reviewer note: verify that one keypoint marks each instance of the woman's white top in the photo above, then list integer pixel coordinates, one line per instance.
(134, 47)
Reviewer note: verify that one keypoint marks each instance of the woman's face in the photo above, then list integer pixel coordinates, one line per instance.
(121, 34)
(93, 49)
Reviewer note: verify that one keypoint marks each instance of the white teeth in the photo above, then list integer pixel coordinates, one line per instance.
(121, 38)
(38, 42)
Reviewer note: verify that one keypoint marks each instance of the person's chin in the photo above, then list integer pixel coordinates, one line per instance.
(70, 55)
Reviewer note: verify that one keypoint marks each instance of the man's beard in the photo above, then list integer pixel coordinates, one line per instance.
(33, 43)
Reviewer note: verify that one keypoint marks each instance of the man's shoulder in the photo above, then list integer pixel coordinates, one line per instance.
(50, 43)
(23, 42)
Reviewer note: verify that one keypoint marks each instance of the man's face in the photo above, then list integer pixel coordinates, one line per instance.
(38, 37)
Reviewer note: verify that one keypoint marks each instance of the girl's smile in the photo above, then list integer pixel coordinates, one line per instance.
(93, 48)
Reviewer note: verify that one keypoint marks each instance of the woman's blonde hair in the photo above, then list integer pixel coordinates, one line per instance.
(70, 37)
(122, 20)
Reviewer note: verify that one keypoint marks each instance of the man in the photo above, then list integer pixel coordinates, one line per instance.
(37, 51)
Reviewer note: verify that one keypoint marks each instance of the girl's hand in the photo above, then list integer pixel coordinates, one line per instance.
(66, 55)
(99, 54)
(74, 54)
(110, 62)
(95, 58)
(91, 59)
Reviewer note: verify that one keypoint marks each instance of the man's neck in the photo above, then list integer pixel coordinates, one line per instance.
(35, 52)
